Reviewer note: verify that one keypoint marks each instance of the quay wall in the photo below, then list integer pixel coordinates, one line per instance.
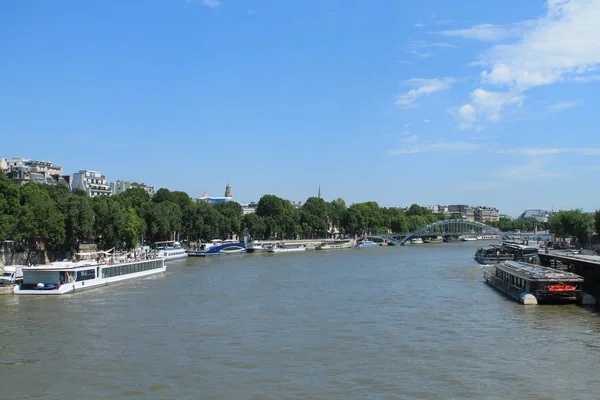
(586, 266)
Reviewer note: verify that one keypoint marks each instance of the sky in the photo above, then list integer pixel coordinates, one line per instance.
(396, 101)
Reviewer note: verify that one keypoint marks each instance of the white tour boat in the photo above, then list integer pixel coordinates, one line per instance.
(170, 250)
(65, 276)
(336, 245)
(286, 248)
(416, 240)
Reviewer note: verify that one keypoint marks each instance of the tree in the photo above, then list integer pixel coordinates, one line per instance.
(39, 220)
(255, 225)
(9, 207)
(597, 221)
(280, 216)
(231, 213)
(573, 223)
(314, 218)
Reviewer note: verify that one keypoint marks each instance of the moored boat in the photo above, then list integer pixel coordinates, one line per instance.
(170, 250)
(256, 247)
(492, 255)
(436, 239)
(416, 240)
(65, 276)
(488, 237)
(286, 248)
(218, 247)
(468, 238)
(336, 245)
(533, 284)
(367, 243)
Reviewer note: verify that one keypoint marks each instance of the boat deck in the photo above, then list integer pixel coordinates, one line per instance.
(534, 272)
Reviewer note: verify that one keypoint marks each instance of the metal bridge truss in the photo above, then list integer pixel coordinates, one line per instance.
(449, 227)
(453, 227)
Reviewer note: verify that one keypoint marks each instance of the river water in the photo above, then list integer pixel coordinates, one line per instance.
(413, 322)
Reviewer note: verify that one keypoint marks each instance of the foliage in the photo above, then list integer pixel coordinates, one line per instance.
(573, 223)
(61, 219)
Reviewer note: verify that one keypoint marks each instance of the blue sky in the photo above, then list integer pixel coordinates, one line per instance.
(399, 102)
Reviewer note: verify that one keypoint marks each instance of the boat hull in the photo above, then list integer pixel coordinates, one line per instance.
(87, 284)
(219, 250)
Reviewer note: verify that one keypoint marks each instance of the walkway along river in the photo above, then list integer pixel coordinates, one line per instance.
(413, 322)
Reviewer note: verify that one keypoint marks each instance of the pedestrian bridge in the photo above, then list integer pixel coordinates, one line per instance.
(446, 228)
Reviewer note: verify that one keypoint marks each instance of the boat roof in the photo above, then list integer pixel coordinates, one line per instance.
(62, 265)
(537, 272)
(518, 246)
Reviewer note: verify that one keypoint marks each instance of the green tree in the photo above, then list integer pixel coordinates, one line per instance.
(573, 223)
(255, 225)
(314, 218)
(231, 222)
(9, 207)
(597, 222)
(39, 220)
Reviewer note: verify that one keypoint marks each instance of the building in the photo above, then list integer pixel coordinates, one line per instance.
(91, 182)
(461, 211)
(506, 216)
(438, 209)
(24, 170)
(248, 208)
(119, 187)
(486, 214)
(537, 215)
(215, 200)
(35, 166)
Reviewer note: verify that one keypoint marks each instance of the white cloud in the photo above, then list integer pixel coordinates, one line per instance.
(411, 138)
(436, 147)
(543, 151)
(419, 25)
(211, 3)
(422, 87)
(559, 46)
(426, 121)
(565, 105)
(488, 32)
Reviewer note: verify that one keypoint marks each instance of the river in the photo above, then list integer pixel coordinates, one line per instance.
(413, 322)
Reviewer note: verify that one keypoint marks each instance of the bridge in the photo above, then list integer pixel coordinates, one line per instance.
(449, 227)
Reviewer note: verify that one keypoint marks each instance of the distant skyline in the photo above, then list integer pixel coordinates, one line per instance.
(399, 102)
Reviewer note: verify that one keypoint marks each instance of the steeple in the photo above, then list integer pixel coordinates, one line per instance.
(319, 194)
(228, 190)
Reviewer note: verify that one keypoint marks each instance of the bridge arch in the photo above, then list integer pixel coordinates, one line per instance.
(453, 227)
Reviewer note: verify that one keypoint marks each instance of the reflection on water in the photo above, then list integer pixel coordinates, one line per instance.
(415, 322)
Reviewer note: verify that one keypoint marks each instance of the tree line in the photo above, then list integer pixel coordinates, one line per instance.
(61, 219)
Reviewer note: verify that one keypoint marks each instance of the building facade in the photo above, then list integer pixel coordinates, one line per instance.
(119, 187)
(24, 170)
(537, 215)
(91, 182)
(486, 214)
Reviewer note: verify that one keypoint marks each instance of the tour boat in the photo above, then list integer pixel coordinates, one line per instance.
(437, 239)
(286, 248)
(336, 245)
(533, 284)
(487, 237)
(218, 247)
(65, 276)
(256, 247)
(367, 243)
(170, 250)
(468, 238)
(416, 240)
(492, 255)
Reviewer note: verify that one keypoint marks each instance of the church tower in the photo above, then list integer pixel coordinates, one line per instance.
(319, 193)
(228, 190)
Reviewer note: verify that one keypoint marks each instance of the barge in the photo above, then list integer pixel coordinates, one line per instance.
(534, 284)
